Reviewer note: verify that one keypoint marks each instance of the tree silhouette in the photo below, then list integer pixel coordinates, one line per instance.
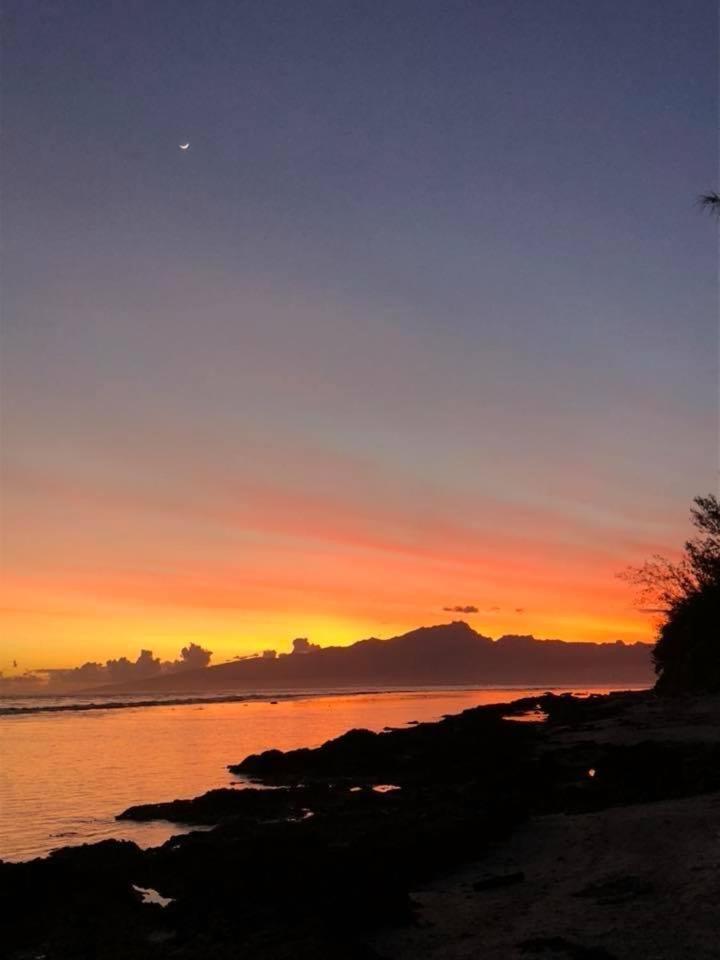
(687, 593)
(711, 202)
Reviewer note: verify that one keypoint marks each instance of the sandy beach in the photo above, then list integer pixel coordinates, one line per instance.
(634, 881)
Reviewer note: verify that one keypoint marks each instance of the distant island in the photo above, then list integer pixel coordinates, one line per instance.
(449, 653)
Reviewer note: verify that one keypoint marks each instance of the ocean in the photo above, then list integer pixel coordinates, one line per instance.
(67, 771)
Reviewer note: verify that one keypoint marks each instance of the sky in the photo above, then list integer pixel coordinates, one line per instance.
(425, 316)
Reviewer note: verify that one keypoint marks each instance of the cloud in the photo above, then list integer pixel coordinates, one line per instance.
(302, 645)
(468, 608)
(519, 609)
(146, 665)
(192, 657)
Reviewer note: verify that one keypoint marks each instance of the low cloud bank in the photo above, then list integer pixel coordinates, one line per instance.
(95, 674)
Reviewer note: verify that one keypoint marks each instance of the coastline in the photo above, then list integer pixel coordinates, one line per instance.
(8, 710)
(66, 775)
(620, 882)
(349, 870)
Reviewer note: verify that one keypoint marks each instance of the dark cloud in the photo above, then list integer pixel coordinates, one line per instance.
(145, 666)
(468, 608)
(519, 609)
(302, 645)
(192, 657)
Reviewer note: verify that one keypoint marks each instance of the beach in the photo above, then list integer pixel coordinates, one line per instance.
(65, 775)
(639, 880)
(551, 825)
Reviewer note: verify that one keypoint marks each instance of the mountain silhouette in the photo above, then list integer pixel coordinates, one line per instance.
(445, 654)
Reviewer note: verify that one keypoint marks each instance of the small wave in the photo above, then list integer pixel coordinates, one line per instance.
(75, 705)
(70, 703)
(8, 711)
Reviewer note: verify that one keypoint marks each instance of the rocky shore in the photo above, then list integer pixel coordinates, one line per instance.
(545, 827)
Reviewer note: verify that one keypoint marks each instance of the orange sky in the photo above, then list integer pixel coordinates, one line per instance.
(95, 573)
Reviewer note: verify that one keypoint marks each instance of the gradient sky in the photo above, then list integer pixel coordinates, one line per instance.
(425, 316)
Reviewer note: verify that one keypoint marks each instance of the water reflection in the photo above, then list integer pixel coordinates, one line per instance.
(64, 776)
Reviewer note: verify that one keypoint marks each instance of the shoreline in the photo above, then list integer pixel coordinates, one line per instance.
(343, 864)
(285, 695)
(622, 881)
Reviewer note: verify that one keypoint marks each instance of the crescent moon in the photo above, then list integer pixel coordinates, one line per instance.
(184, 146)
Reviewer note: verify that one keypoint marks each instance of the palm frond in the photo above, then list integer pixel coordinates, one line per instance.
(710, 202)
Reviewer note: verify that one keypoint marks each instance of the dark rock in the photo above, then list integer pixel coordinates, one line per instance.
(618, 889)
(499, 880)
(217, 805)
(560, 947)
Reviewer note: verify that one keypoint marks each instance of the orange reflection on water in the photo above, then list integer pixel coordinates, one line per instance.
(65, 776)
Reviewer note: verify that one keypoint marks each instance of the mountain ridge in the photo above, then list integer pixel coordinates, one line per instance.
(442, 654)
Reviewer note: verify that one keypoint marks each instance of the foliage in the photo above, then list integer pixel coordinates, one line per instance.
(687, 594)
(710, 202)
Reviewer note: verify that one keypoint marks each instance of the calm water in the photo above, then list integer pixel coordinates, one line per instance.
(64, 776)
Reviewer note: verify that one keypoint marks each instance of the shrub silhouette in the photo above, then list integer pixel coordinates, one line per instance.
(687, 652)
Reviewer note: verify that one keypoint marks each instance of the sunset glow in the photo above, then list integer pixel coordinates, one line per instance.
(359, 448)
(262, 566)
(399, 333)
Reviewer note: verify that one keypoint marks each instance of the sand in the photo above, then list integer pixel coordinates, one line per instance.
(638, 882)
